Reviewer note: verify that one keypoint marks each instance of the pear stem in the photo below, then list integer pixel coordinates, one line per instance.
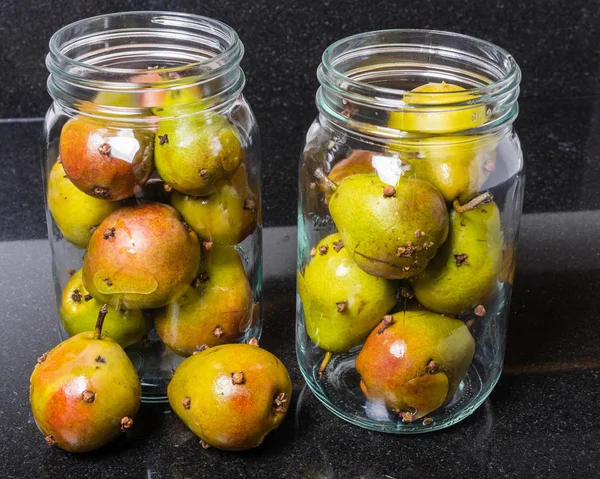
(474, 203)
(324, 180)
(324, 364)
(100, 321)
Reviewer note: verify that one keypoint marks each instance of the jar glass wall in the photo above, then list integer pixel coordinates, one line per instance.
(152, 180)
(411, 186)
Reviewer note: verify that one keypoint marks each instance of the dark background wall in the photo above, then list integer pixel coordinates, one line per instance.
(556, 43)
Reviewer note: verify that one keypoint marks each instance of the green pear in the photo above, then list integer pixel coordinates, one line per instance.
(225, 217)
(217, 309)
(194, 153)
(75, 213)
(414, 362)
(464, 272)
(78, 312)
(232, 395)
(432, 110)
(389, 231)
(341, 302)
(457, 166)
(179, 102)
(109, 99)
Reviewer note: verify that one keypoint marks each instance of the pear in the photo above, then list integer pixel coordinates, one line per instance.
(146, 95)
(360, 161)
(151, 95)
(414, 362)
(389, 231)
(457, 166)
(215, 310)
(195, 150)
(464, 272)
(106, 161)
(181, 101)
(141, 257)
(78, 312)
(231, 396)
(342, 303)
(105, 103)
(150, 92)
(194, 153)
(75, 213)
(109, 99)
(85, 392)
(428, 112)
(225, 217)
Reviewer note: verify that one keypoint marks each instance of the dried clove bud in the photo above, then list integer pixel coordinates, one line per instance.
(461, 259)
(389, 191)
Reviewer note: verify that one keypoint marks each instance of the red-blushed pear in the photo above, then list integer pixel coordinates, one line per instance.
(414, 361)
(141, 257)
(104, 161)
(85, 392)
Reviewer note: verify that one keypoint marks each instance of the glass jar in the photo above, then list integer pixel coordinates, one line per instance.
(152, 179)
(411, 186)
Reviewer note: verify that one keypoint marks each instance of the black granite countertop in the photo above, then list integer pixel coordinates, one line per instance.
(541, 419)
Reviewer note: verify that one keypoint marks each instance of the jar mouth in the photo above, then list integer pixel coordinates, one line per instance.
(376, 71)
(135, 51)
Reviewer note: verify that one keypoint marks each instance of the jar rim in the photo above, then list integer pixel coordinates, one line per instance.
(233, 50)
(368, 80)
(136, 57)
(510, 78)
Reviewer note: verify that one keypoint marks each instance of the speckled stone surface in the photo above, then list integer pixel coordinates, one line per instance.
(21, 195)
